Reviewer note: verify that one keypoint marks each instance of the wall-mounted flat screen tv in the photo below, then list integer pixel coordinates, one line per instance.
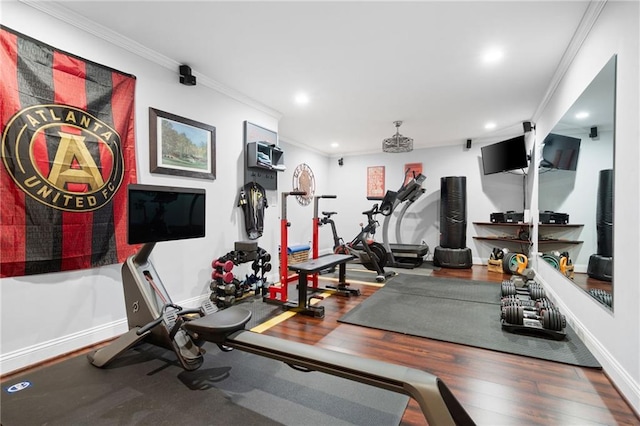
(164, 213)
(510, 154)
(560, 152)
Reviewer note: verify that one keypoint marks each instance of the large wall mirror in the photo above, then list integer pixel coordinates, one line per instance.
(575, 198)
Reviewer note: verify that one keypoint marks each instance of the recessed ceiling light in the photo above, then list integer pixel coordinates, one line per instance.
(334, 144)
(302, 98)
(492, 56)
(490, 125)
(581, 115)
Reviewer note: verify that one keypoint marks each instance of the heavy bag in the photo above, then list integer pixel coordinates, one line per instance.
(604, 213)
(600, 267)
(453, 212)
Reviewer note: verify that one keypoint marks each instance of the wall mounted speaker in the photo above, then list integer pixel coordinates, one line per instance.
(186, 77)
(526, 125)
(593, 133)
(468, 143)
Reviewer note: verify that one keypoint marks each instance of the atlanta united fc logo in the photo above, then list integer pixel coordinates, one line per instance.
(63, 157)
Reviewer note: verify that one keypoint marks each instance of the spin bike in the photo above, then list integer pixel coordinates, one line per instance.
(371, 254)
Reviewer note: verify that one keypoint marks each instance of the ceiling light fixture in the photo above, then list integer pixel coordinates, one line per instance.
(302, 98)
(492, 56)
(397, 143)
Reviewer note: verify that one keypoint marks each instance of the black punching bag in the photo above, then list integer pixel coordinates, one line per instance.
(601, 264)
(604, 213)
(453, 212)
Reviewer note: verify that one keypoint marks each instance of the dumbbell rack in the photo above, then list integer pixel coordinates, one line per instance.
(225, 288)
(526, 310)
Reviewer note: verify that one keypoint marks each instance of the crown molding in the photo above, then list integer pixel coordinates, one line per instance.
(62, 13)
(584, 28)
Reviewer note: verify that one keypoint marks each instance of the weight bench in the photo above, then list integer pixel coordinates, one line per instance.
(153, 318)
(315, 266)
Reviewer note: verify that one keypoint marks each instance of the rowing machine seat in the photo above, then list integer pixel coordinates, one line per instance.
(217, 326)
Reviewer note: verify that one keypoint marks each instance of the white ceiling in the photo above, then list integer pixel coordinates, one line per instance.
(363, 64)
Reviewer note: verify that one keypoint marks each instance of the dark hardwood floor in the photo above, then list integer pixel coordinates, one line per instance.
(495, 388)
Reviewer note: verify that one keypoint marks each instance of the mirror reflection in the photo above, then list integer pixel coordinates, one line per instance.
(576, 190)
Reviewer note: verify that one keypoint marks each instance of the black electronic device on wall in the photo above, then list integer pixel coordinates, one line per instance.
(560, 152)
(163, 213)
(507, 217)
(186, 77)
(550, 217)
(510, 154)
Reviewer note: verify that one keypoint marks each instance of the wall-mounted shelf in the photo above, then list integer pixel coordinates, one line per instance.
(514, 233)
(507, 239)
(518, 224)
(263, 162)
(543, 229)
(519, 228)
(265, 156)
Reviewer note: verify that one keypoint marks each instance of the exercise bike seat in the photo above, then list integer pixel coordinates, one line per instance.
(217, 326)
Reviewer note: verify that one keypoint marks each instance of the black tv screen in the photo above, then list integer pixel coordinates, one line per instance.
(163, 213)
(560, 152)
(510, 154)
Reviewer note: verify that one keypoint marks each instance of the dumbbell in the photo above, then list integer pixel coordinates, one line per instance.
(550, 319)
(538, 304)
(222, 300)
(266, 266)
(266, 257)
(228, 288)
(602, 296)
(226, 277)
(218, 264)
(533, 290)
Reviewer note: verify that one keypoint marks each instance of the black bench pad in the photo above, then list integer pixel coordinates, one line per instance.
(314, 266)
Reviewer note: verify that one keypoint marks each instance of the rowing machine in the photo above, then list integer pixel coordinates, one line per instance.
(154, 318)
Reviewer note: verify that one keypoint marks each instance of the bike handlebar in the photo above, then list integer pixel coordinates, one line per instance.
(373, 211)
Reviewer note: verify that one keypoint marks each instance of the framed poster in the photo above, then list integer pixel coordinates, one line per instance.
(411, 170)
(180, 146)
(375, 182)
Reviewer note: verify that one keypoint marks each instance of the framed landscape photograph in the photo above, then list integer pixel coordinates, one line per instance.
(180, 146)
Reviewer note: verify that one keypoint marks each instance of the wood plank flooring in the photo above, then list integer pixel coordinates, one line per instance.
(495, 388)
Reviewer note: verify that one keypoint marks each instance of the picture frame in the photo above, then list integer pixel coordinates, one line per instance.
(180, 146)
(375, 182)
(255, 133)
(410, 169)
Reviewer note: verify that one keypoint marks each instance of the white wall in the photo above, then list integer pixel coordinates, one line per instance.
(46, 315)
(485, 194)
(613, 337)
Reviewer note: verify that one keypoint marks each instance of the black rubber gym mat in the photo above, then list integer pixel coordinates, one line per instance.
(145, 386)
(459, 311)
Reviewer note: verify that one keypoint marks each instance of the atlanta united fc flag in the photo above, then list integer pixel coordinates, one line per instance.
(68, 155)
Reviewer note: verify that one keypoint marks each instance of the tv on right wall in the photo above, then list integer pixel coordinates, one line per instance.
(560, 152)
(510, 154)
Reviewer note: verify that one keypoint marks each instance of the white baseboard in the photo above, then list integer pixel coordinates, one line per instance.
(620, 378)
(35, 354)
(45, 351)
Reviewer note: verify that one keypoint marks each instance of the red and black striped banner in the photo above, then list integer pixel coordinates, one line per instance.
(68, 154)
